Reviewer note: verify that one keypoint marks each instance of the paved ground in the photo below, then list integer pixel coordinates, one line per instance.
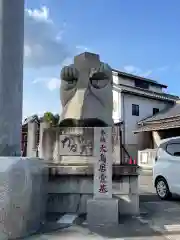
(159, 220)
(161, 216)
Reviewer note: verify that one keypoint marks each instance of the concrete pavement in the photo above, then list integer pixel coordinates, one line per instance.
(159, 220)
(162, 216)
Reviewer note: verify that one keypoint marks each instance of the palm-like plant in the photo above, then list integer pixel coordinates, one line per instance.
(51, 118)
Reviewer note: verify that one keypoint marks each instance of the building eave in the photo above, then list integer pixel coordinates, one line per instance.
(168, 114)
(158, 126)
(150, 81)
(145, 93)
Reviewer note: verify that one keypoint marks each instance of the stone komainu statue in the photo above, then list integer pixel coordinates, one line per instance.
(86, 92)
(87, 101)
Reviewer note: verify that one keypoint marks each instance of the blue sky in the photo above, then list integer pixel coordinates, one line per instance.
(141, 37)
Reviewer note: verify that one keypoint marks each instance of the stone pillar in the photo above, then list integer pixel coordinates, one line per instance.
(103, 209)
(43, 126)
(56, 155)
(32, 139)
(11, 75)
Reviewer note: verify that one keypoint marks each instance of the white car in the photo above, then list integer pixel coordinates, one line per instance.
(166, 170)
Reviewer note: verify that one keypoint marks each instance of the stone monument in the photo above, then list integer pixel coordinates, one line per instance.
(81, 179)
(22, 199)
(87, 102)
(86, 93)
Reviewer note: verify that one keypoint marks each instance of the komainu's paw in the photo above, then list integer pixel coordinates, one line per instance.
(69, 73)
(102, 72)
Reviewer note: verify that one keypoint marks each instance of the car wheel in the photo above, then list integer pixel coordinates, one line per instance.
(162, 189)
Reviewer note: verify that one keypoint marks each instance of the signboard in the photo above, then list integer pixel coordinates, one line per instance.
(75, 145)
(103, 162)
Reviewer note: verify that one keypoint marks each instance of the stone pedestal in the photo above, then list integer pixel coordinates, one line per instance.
(103, 212)
(70, 188)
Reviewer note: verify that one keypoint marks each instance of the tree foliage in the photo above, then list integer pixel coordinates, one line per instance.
(51, 118)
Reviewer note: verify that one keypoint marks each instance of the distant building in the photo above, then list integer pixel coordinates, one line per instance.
(136, 98)
(164, 124)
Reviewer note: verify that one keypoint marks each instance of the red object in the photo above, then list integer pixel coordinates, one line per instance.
(130, 161)
(135, 162)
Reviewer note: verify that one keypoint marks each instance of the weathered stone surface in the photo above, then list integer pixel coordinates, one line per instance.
(32, 139)
(22, 195)
(68, 203)
(86, 90)
(81, 187)
(134, 184)
(48, 147)
(102, 212)
(87, 170)
(128, 204)
(71, 185)
(63, 203)
(121, 186)
(42, 142)
(11, 76)
(83, 203)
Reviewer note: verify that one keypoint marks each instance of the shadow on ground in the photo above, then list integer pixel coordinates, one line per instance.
(129, 227)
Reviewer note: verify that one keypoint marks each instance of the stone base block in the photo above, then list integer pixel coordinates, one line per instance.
(128, 204)
(69, 191)
(22, 195)
(102, 212)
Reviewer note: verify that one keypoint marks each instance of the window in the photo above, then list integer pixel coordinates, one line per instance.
(141, 84)
(155, 110)
(135, 110)
(173, 149)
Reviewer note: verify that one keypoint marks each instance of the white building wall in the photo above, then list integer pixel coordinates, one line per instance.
(115, 78)
(116, 106)
(146, 106)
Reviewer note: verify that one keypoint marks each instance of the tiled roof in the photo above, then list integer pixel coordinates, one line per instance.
(129, 75)
(158, 126)
(30, 119)
(169, 112)
(145, 93)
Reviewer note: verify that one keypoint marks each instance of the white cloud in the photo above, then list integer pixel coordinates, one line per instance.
(137, 71)
(38, 80)
(82, 48)
(67, 61)
(162, 69)
(131, 69)
(43, 42)
(147, 73)
(39, 15)
(51, 83)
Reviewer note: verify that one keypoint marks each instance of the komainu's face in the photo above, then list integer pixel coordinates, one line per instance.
(86, 96)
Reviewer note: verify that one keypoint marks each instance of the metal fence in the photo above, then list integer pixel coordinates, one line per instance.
(146, 158)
